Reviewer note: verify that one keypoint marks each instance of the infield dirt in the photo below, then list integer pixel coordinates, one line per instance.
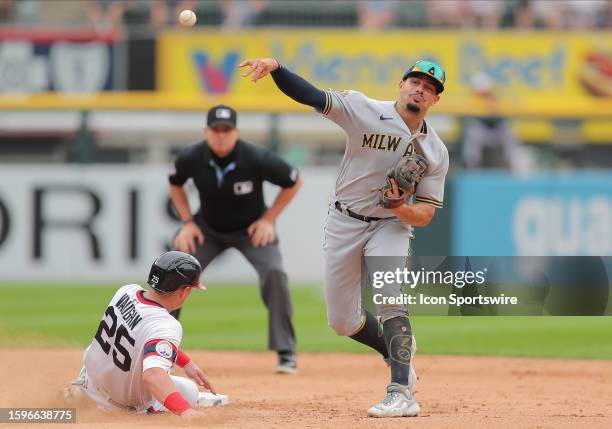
(334, 390)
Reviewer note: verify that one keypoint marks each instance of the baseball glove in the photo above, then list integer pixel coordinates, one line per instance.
(406, 173)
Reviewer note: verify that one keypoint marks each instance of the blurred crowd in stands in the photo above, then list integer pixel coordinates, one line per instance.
(370, 15)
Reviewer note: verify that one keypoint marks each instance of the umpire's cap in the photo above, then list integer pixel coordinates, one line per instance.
(174, 270)
(428, 68)
(222, 115)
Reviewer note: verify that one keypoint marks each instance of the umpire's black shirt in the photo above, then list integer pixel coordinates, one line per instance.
(231, 188)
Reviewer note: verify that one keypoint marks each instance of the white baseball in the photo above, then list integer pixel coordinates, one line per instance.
(187, 18)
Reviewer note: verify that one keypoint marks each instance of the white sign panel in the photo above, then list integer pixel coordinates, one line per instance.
(98, 224)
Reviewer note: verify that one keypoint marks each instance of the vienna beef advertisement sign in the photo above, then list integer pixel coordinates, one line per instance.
(529, 66)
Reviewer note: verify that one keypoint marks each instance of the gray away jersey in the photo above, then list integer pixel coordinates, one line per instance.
(376, 138)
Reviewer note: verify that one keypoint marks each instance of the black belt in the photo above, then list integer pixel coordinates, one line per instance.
(355, 215)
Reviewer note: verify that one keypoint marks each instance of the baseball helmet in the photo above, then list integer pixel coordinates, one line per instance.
(174, 270)
(428, 68)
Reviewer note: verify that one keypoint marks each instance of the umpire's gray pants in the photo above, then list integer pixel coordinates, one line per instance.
(267, 261)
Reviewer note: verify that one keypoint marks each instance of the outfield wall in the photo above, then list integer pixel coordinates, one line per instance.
(109, 223)
(103, 223)
(554, 214)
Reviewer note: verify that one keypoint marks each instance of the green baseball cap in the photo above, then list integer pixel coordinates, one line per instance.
(428, 68)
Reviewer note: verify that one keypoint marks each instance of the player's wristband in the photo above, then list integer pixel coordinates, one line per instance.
(182, 358)
(176, 403)
(185, 222)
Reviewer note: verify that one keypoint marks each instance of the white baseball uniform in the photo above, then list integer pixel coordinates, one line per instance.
(135, 334)
(376, 138)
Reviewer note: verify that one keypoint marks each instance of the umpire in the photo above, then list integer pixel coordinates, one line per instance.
(229, 174)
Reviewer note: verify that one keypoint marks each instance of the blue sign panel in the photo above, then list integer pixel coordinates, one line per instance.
(553, 214)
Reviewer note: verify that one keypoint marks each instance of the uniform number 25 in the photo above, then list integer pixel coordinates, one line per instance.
(118, 348)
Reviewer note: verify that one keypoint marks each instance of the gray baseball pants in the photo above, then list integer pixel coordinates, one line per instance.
(273, 282)
(347, 240)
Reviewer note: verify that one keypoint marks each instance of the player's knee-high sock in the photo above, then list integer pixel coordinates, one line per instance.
(176, 313)
(370, 336)
(398, 337)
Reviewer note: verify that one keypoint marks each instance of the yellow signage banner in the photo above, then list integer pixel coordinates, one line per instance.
(530, 67)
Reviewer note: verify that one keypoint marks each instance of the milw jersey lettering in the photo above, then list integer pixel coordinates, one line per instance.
(381, 142)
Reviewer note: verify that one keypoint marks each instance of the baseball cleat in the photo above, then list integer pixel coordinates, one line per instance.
(72, 395)
(398, 403)
(80, 379)
(287, 363)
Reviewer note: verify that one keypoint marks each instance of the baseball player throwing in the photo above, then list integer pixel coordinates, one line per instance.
(388, 143)
(127, 365)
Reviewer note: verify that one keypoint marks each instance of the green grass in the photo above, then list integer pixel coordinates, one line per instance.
(233, 317)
